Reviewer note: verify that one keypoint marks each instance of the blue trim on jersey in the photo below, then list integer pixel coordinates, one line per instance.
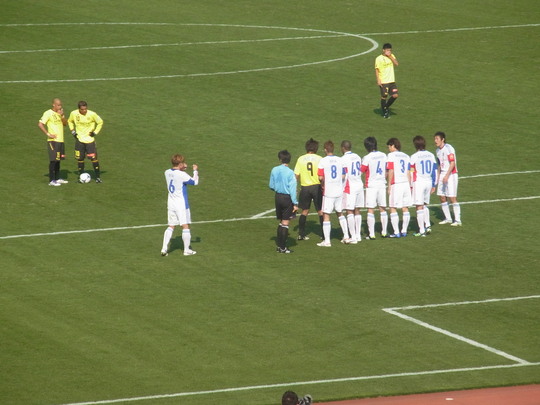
(434, 175)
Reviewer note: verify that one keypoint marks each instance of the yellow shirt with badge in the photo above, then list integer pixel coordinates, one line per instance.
(306, 167)
(85, 124)
(53, 121)
(385, 68)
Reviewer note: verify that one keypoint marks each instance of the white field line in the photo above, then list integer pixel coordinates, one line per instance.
(261, 215)
(397, 312)
(239, 41)
(303, 383)
(361, 36)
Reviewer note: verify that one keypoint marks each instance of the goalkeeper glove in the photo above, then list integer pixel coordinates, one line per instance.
(74, 133)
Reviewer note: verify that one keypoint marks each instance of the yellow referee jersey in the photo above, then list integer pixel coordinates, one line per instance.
(306, 167)
(84, 124)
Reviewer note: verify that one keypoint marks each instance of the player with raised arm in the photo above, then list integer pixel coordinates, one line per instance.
(448, 179)
(85, 125)
(384, 72)
(398, 169)
(353, 192)
(332, 174)
(178, 211)
(424, 179)
(306, 171)
(374, 167)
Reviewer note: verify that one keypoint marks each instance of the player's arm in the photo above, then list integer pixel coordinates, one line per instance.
(378, 76)
(43, 128)
(99, 124)
(393, 59)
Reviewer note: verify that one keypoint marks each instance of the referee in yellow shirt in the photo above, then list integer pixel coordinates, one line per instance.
(384, 71)
(310, 186)
(85, 125)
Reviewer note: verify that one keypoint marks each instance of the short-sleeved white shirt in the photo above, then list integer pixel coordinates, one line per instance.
(374, 167)
(331, 168)
(401, 164)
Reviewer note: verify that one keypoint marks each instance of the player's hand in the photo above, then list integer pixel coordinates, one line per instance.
(74, 133)
(195, 167)
(295, 208)
(92, 134)
(52, 136)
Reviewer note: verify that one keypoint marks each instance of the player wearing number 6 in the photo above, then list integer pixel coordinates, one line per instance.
(305, 170)
(399, 186)
(178, 211)
(374, 167)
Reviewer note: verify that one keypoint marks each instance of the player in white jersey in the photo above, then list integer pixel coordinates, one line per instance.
(332, 174)
(178, 211)
(374, 167)
(353, 193)
(399, 186)
(448, 179)
(424, 179)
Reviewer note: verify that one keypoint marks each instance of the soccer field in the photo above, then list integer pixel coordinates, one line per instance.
(91, 313)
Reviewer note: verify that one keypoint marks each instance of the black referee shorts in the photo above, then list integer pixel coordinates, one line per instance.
(284, 206)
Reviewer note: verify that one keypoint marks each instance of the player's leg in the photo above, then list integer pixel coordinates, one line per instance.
(93, 156)
(371, 203)
(452, 195)
(406, 221)
(327, 208)
(393, 91)
(79, 156)
(172, 219)
(186, 232)
(304, 203)
(394, 220)
(441, 192)
(420, 220)
(384, 95)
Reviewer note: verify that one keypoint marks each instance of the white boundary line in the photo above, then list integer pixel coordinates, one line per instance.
(302, 383)
(393, 311)
(397, 312)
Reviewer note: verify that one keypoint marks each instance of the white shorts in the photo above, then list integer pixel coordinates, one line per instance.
(400, 195)
(421, 192)
(178, 217)
(331, 204)
(353, 200)
(449, 189)
(375, 197)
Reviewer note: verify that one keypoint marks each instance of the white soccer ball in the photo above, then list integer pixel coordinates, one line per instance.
(85, 178)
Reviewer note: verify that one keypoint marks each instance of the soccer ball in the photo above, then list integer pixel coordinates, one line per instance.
(85, 178)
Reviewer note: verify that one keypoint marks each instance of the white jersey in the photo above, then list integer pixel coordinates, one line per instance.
(374, 166)
(445, 155)
(424, 167)
(177, 182)
(401, 164)
(353, 179)
(331, 168)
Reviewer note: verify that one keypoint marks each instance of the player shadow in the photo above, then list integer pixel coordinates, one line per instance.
(73, 175)
(379, 112)
(178, 244)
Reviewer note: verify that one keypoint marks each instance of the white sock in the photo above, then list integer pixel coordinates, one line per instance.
(167, 238)
(427, 222)
(457, 212)
(446, 211)
(420, 220)
(343, 224)
(406, 220)
(394, 219)
(186, 238)
(384, 223)
(326, 228)
(351, 224)
(371, 224)
(358, 226)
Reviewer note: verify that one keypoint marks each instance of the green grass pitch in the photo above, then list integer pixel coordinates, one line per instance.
(90, 312)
